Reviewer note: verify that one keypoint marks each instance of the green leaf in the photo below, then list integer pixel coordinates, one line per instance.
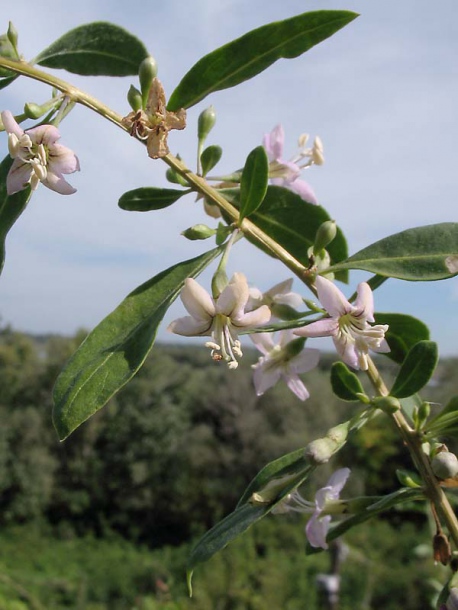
(4, 82)
(416, 369)
(210, 157)
(293, 223)
(11, 206)
(249, 55)
(345, 384)
(290, 464)
(149, 198)
(253, 184)
(95, 49)
(8, 52)
(421, 254)
(403, 333)
(445, 420)
(115, 350)
(287, 473)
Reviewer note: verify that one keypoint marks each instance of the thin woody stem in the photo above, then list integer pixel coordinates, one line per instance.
(412, 439)
(198, 183)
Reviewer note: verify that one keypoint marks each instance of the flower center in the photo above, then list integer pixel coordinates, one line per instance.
(225, 344)
(354, 329)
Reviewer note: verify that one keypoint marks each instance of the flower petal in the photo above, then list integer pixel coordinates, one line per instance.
(254, 318)
(264, 378)
(296, 386)
(190, 327)
(331, 297)
(57, 183)
(305, 361)
(273, 143)
(337, 482)
(365, 301)
(18, 177)
(62, 160)
(263, 342)
(317, 529)
(10, 124)
(197, 300)
(327, 327)
(303, 189)
(44, 134)
(231, 302)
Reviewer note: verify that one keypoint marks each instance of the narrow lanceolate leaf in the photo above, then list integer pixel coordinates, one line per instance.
(253, 184)
(149, 198)
(115, 350)
(403, 333)
(249, 55)
(95, 49)
(421, 254)
(11, 206)
(267, 490)
(293, 223)
(446, 420)
(345, 384)
(210, 157)
(416, 369)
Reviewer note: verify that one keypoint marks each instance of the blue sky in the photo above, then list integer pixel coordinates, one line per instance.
(382, 94)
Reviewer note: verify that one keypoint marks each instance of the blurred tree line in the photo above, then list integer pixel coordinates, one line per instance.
(173, 451)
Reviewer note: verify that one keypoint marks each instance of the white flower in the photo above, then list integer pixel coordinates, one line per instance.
(283, 360)
(326, 501)
(220, 318)
(280, 299)
(37, 158)
(348, 324)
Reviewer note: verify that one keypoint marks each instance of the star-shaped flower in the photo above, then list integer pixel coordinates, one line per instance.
(286, 173)
(318, 525)
(37, 158)
(283, 360)
(154, 123)
(220, 318)
(348, 324)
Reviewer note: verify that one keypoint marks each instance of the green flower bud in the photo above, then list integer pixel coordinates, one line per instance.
(422, 415)
(389, 404)
(445, 465)
(12, 35)
(198, 232)
(134, 97)
(324, 236)
(146, 72)
(406, 479)
(205, 123)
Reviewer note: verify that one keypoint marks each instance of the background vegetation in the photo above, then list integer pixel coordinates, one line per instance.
(106, 519)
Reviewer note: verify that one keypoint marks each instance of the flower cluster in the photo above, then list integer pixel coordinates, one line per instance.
(240, 309)
(37, 158)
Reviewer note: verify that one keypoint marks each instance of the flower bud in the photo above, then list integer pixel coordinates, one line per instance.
(445, 465)
(134, 97)
(12, 35)
(146, 72)
(199, 231)
(205, 123)
(33, 111)
(322, 449)
(324, 236)
(388, 404)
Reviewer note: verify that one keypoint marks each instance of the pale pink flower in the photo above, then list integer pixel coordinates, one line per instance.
(279, 298)
(37, 158)
(283, 360)
(317, 527)
(220, 318)
(348, 324)
(286, 173)
(326, 502)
